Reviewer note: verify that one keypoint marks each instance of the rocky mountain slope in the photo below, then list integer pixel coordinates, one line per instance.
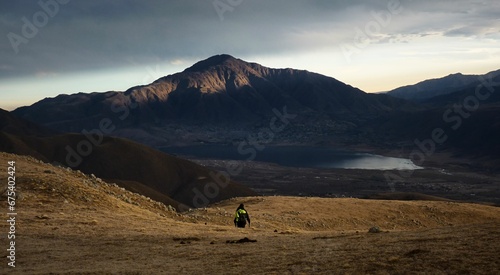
(221, 91)
(72, 222)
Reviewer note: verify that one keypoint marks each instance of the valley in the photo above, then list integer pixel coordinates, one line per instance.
(250, 137)
(452, 181)
(231, 109)
(146, 180)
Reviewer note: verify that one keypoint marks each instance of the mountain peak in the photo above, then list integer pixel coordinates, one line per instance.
(212, 62)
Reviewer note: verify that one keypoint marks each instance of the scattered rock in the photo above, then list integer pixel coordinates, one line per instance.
(275, 230)
(42, 217)
(374, 229)
(244, 240)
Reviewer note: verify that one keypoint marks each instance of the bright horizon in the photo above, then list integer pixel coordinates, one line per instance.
(98, 46)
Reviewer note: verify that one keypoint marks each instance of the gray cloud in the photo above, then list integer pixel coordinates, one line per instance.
(87, 35)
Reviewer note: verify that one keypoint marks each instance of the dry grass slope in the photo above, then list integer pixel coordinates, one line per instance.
(72, 222)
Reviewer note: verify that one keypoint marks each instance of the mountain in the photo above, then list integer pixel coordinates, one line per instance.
(225, 100)
(440, 86)
(134, 166)
(221, 91)
(469, 118)
(14, 125)
(487, 84)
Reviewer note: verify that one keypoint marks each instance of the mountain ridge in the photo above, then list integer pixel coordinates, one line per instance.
(225, 100)
(220, 90)
(427, 89)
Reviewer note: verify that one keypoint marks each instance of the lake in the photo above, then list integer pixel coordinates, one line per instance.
(296, 156)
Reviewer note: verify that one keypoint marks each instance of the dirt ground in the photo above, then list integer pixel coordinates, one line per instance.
(69, 222)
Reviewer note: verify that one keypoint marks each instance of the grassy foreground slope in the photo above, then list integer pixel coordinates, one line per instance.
(70, 222)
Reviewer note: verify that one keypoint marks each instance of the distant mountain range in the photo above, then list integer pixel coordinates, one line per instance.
(226, 100)
(136, 167)
(469, 116)
(440, 86)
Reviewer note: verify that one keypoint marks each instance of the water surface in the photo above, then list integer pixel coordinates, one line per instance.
(296, 156)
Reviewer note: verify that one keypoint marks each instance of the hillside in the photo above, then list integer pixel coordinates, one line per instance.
(71, 222)
(430, 88)
(220, 99)
(469, 118)
(134, 166)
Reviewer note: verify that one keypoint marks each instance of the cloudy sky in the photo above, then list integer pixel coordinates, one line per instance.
(49, 47)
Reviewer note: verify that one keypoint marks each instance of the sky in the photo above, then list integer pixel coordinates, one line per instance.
(51, 47)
